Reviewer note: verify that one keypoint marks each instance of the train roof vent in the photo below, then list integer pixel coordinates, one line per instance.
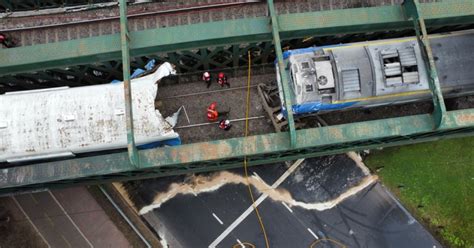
(392, 67)
(407, 56)
(351, 80)
(409, 65)
(324, 75)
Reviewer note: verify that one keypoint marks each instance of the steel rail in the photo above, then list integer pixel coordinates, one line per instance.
(208, 6)
(216, 122)
(206, 92)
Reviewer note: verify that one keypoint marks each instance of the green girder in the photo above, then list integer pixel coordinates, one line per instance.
(260, 149)
(223, 154)
(124, 39)
(291, 26)
(412, 10)
(283, 74)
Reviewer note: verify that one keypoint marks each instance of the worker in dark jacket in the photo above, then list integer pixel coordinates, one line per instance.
(225, 125)
(206, 77)
(212, 114)
(222, 80)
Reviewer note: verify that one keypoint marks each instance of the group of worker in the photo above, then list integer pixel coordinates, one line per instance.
(212, 113)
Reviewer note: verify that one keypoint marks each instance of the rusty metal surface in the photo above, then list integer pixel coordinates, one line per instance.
(224, 154)
(218, 33)
(76, 25)
(78, 120)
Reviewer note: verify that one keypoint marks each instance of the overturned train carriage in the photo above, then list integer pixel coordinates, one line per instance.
(62, 122)
(369, 74)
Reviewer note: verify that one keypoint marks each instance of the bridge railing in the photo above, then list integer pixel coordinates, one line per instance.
(259, 149)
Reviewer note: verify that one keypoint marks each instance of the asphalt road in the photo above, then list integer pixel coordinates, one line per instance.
(70, 218)
(220, 213)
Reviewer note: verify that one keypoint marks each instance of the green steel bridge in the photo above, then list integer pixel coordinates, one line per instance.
(231, 40)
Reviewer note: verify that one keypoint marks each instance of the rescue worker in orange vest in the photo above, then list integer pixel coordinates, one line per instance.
(212, 114)
(225, 125)
(222, 79)
(206, 77)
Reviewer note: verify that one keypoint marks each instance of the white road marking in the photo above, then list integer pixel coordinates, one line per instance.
(286, 206)
(257, 202)
(31, 222)
(240, 243)
(69, 217)
(217, 218)
(312, 233)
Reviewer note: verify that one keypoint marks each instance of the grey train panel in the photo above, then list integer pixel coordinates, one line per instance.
(354, 59)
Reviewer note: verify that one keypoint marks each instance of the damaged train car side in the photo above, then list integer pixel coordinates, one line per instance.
(61, 122)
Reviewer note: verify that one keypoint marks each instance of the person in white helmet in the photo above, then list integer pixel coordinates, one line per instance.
(225, 125)
(206, 77)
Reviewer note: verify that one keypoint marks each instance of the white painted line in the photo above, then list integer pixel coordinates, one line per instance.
(286, 206)
(244, 215)
(217, 218)
(31, 222)
(69, 217)
(312, 233)
(240, 243)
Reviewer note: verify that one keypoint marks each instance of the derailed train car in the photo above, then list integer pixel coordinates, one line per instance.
(62, 122)
(374, 73)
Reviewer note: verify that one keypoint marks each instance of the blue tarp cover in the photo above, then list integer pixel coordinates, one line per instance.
(314, 107)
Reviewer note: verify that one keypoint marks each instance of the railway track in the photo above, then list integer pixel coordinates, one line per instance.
(193, 125)
(56, 27)
(32, 30)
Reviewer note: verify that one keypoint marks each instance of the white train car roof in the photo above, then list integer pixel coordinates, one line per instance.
(63, 121)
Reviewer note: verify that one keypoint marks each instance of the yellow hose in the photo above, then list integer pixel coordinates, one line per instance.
(267, 245)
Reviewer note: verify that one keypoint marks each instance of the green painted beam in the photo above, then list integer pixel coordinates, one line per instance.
(282, 72)
(6, 4)
(124, 41)
(228, 153)
(439, 110)
(322, 23)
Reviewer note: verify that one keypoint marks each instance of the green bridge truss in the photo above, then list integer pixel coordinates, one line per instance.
(260, 149)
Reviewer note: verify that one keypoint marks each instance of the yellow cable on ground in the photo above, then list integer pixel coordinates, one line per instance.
(313, 245)
(245, 158)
